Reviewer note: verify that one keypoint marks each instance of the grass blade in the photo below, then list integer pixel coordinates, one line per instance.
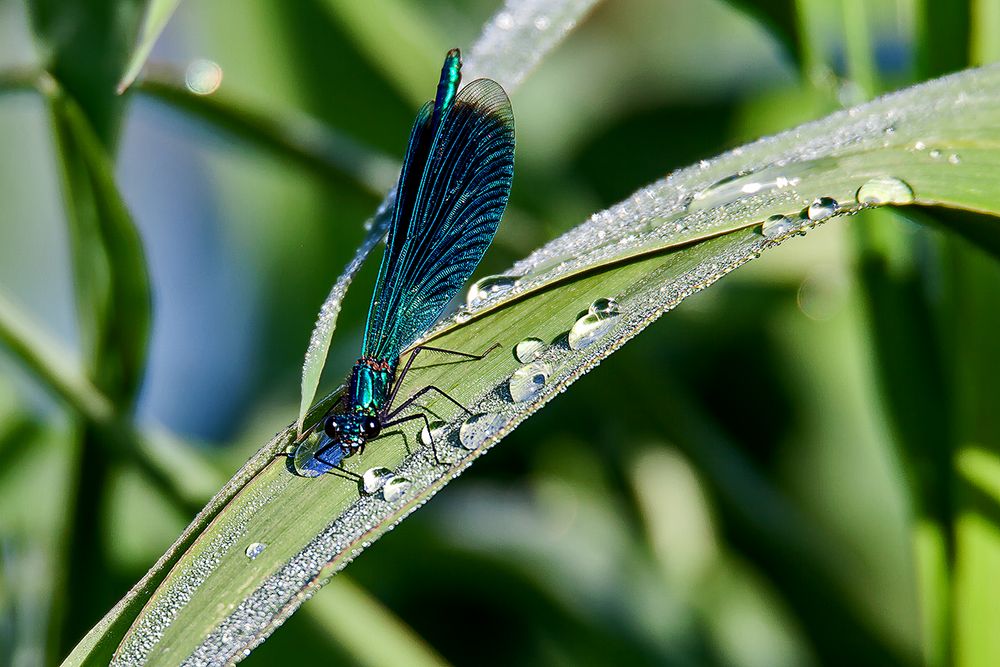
(158, 13)
(518, 36)
(113, 296)
(648, 253)
(50, 364)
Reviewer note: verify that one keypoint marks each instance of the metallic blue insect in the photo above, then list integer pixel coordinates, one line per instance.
(451, 194)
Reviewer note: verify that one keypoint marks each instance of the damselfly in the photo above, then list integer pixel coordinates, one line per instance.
(451, 194)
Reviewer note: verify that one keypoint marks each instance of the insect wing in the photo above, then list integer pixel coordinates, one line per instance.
(445, 217)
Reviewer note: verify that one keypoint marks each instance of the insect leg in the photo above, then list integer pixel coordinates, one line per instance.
(405, 404)
(420, 348)
(419, 415)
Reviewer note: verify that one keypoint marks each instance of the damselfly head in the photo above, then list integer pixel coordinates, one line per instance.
(353, 429)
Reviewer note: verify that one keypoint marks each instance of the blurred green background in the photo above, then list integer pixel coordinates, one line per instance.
(796, 467)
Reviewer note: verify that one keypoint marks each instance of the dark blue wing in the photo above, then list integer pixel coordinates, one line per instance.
(445, 217)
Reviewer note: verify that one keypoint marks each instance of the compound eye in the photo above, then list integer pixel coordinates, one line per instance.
(332, 428)
(370, 427)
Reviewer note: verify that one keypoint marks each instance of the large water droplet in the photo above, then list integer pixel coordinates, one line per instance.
(255, 549)
(822, 208)
(736, 186)
(203, 77)
(529, 380)
(305, 462)
(885, 190)
(375, 478)
(776, 226)
(528, 350)
(479, 428)
(434, 434)
(395, 487)
(603, 307)
(600, 318)
(487, 287)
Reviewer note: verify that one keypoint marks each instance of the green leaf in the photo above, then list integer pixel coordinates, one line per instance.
(113, 298)
(158, 13)
(648, 253)
(50, 363)
(84, 45)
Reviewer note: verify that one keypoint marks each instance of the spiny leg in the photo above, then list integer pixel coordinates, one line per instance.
(405, 404)
(427, 424)
(420, 348)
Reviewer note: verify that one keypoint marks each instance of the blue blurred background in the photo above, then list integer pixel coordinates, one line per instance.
(728, 489)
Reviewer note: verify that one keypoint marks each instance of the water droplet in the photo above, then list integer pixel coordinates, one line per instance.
(463, 316)
(822, 208)
(589, 329)
(428, 437)
(479, 428)
(954, 158)
(505, 21)
(203, 77)
(375, 478)
(542, 23)
(255, 549)
(919, 146)
(395, 487)
(935, 154)
(528, 381)
(776, 226)
(305, 462)
(528, 350)
(885, 190)
(603, 307)
(487, 287)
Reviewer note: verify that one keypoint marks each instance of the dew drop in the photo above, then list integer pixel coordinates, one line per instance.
(505, 21)
(954, 158)
(919, 146)
(935, 154)
(487, 287)
(255, 549)
(589, 329)
(430, 436)
(479, 428)
(822, 208)
(395, 487)
(203, 77)
(528, 381)
(885, 190)
(603, 307)
(528, 350)
(776, 226)
(542, 23)
(375, 478)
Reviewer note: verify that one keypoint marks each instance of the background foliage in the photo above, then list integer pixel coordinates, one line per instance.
(798, 466)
